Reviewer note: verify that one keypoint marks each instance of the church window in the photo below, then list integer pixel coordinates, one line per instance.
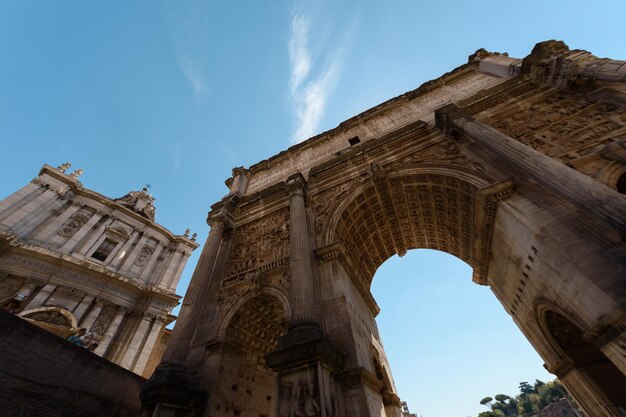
(105, 249)
(353, 141)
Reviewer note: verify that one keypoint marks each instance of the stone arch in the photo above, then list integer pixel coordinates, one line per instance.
(430, 206)
(56, 320)
(244, 385)
(276, 293)
(475, 178)
(583, 364)
(541, 308)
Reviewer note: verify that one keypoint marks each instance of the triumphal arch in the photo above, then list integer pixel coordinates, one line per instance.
(515, 166)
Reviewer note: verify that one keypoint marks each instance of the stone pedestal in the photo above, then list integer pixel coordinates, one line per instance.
(307, 363)
(172, 391)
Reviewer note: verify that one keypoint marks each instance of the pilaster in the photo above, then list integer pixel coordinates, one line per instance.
(92, 315)
(110, 331)
(148, 346)
(81, 233)
(41, 297)
(82, 307)
(135, 343)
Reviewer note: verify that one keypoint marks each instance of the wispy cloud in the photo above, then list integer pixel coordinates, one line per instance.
(311, 82)
(188, 30)
(193, 76)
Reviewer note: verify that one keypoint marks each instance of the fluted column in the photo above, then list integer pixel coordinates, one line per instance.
(303, 291)
(202, 289)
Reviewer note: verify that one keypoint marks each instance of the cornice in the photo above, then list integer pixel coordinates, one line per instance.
(64, 262)
(389, 105)
(79, 190)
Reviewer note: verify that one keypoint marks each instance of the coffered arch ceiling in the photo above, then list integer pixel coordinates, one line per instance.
(415, 209)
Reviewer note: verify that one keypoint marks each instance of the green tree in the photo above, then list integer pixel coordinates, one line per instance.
(526, 388)
(486, 401)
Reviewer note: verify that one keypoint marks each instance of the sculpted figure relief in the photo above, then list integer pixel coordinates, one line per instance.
(259, 242)
(144, 256)
(72, 225)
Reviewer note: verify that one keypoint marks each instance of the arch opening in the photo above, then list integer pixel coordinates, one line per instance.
(442, 330)
(588, 359)
(245, 385)
(415, 211)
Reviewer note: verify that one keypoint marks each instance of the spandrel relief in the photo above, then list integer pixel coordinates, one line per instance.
(259, 243)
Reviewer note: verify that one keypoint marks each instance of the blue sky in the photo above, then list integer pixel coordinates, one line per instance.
(177, 93)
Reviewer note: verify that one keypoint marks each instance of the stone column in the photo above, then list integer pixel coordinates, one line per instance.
(82, 307)
(148, 346)
(173, 390)
(122, 254)
(303, 289)
(127, 265)
(170, 271)
(305, 359)
(88, 245)
(41, 297)
(179, 271)
(81, 233)
(54, 225)
(92, 315)
(591, 399)
(27, 210)
(147, 274)
(135, 343)
(10, 204)
(532, 168)
(110, 332)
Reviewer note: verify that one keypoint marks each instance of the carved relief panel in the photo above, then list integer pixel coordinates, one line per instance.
(72, 225)
(260, 243)
(309, 392)
(567, 127)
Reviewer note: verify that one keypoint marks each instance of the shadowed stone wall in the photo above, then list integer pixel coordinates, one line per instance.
(43, 375)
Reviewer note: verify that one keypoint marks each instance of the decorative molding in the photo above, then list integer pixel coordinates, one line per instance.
(487, 201)
(72, 225)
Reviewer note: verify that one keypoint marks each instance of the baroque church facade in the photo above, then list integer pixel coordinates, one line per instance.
(72, 258)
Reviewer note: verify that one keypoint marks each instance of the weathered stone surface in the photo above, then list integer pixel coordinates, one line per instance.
(513, 166)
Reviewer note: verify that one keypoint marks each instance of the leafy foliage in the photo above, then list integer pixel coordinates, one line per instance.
(531, 399)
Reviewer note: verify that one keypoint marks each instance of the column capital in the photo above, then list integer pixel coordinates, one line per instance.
(607, 329)
(240, 171)
(296, 185)
(445, 115)
(561, 368)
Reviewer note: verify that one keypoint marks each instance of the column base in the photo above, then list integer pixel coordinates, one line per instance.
(172, 391)
(304, 343)
(307, 363)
